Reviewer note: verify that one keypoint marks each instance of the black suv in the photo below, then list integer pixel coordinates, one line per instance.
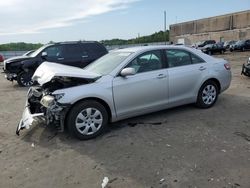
(78, 54)
(213, 48)
(205, 42)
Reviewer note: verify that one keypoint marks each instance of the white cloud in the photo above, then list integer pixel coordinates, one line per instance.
(35, 16)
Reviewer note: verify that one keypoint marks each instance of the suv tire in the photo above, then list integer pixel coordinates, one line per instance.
(24, 79)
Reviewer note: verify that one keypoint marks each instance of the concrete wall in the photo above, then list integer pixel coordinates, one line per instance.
(233, 26)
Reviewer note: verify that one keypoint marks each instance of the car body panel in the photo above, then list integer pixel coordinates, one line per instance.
(48, 70)
(143, 92)
(140, 92)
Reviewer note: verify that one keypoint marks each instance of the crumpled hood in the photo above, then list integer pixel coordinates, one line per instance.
(17, 58)
(47, 70)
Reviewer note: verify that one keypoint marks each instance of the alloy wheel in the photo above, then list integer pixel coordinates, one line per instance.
(89, 121)
(209, 94)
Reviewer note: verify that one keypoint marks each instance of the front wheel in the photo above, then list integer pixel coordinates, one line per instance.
(207, 95)
(87, 119)
(24, 79)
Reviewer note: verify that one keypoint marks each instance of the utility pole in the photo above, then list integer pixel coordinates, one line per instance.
(165, 27)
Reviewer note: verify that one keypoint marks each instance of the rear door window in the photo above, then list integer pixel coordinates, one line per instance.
(176, 58)
(95, 50)
(74, 51)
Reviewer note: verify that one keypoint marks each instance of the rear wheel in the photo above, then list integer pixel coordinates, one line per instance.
(24, 79)
(207, 95)
(87, 119)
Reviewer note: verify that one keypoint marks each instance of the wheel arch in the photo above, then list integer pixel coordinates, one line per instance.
(101, 101)
(214, 80)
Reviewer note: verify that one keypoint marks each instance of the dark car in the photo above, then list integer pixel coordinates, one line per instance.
(246, 68)
(1, 58)
(213, 48)
(241, 45)
(227, 44)
(205, 42)
(78, 54)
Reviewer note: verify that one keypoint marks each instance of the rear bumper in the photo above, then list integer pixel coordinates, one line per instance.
(245, 70)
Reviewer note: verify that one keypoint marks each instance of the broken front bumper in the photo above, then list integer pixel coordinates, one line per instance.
(27, 119)
(38, 107)
(246, 70)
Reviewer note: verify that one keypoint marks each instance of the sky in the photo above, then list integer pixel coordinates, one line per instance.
(68, 20)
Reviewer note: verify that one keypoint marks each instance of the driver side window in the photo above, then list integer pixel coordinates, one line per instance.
(148, 61)
(54, 51)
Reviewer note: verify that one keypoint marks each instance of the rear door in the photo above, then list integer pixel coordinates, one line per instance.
(95, 51)
(186, 70)
(73, 55)
(145, 91)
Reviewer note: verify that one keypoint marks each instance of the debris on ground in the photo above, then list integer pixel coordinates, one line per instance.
(32, 145)
(105, 182)
(112, 180)
(243, 135)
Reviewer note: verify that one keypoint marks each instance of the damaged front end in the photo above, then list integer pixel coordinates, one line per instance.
(43, 105)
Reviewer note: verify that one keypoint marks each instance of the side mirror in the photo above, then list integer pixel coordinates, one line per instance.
(127, 72)
(44, 55)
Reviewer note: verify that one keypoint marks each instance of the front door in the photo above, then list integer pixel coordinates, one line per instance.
(145, 91)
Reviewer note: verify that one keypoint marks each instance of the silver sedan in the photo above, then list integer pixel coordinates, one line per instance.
(122, 84)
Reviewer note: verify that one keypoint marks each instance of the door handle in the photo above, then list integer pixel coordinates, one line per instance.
(60, 58)
(160, 76)
(85, 56)
(202, 68)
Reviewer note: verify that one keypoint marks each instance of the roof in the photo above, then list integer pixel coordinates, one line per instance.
(141, 49)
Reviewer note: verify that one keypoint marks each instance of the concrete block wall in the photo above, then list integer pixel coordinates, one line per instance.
(233, 26)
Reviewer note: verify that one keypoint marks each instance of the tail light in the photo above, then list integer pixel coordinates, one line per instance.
(227, 66)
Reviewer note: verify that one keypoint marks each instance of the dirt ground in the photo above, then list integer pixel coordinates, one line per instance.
(184, 147)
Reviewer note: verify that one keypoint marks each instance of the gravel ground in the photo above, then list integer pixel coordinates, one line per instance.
(184, 147)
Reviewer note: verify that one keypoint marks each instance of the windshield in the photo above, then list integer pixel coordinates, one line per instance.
(35, 53)
(107, 63)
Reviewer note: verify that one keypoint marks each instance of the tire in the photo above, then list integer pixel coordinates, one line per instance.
(208, 94)
(89, 115)
(24, 79)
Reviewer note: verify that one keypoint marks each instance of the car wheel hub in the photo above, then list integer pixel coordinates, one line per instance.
(209, 94)
(89, 121)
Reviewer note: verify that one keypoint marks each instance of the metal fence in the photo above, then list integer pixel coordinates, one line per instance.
(9, 54)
